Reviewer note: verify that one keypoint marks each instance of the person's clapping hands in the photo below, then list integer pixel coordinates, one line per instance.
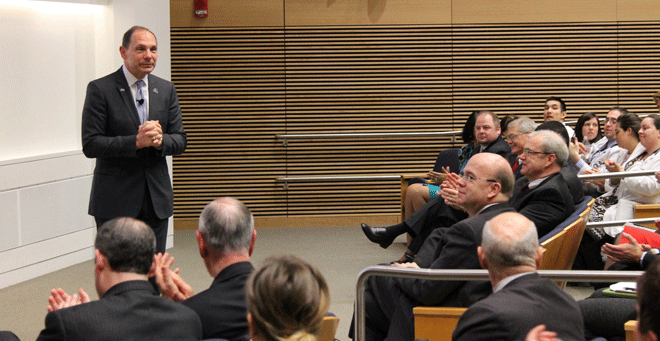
(60, 299)
(171, 285)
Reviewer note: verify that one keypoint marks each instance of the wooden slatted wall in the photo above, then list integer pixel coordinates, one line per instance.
(241, 86)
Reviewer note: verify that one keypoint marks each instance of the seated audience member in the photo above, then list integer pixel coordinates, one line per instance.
(484, 190)
(287, 300)
(521, 299)
(543, 196)
(225, 240)
(419, 193)
(6, 335)
(575, 185)
(547, 200)
(656, 99)
(555, 110)
(626, 131)
(516, 137)
(591, 160)
(619, 203)
(129, 308)
(488, 140)
(587, 129)
(648, 304)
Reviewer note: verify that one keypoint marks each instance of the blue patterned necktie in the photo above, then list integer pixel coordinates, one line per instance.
(140, 104)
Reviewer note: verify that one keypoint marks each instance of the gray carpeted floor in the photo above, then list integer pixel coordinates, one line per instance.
(340, 254)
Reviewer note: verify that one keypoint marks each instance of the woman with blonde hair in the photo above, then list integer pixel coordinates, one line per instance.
(287, 299)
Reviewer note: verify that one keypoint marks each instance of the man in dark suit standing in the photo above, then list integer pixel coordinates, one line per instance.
(225, 239)
(484, 189)
(521, 299)
(131, 121)
(128, 308)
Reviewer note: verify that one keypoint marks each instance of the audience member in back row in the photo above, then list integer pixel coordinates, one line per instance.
(225, 240)
(555, 110)
(129, 308)
(592, 160)
(575, 185)
(521, 299)
(587, 129)
(287, 299)
(547, 200)
(484, 189)
(487, 134)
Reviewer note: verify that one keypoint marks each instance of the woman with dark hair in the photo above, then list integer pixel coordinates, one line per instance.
(287, 299)
(587, 129)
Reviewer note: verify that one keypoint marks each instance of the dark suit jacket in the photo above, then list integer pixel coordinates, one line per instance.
(547, 204)
(521, 305)
(389, 301)
(130, 310)
(499, 146)
(222, 307)
(109, 128)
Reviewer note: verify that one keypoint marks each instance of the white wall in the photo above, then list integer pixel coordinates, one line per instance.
(51, 50)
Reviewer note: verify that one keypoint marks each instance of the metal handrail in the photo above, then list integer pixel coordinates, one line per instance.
(471, 275)
(597, 176)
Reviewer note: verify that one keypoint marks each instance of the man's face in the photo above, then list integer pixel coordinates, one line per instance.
(475, 184)
(534, 161)
(516, 140)
(140, 57)
(610, 124)
(552, 112)
(485, 131)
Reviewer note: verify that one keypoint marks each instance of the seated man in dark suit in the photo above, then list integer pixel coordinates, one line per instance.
(225, 239)
(488, 140)
(129, 308)
(543, 196)
(547, 200)
(648, 303)
(521, 299)
(484, 190)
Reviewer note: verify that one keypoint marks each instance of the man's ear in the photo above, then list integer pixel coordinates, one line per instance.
(122, 51)
(482, 257)
(254, 238)
(252, 327)
(201, 244)
(495, 189)
(152, 271)
(100, 262)
(539, 257)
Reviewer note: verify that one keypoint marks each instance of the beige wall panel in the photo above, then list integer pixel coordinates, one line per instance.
(636, 10)
(520, 11)
(228, 13)
(367, 12)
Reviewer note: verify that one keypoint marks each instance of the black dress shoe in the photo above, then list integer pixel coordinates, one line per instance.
(377, 235)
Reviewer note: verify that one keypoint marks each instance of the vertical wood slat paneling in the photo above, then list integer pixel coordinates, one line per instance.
(239, 87)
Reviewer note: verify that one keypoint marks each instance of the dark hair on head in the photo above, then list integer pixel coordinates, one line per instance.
(656, 120)
(629, 120)
(128, 244)
(287, 299)
(561, 102)
(126, 40)
(648, 299)
(580, 124)
(468, 128)
(555, 126)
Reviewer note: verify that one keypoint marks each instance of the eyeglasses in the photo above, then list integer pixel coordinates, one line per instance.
(512, 136)
(528, 152)
(471, 179)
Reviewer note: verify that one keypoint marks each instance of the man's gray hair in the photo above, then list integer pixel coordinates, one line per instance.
(524, 125)
(226, 225)
(552, 143)
(503, 253)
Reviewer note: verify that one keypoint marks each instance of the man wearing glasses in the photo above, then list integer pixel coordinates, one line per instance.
(484, 188)
(542, 195)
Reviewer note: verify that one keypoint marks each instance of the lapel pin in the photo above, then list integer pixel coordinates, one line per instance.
(121, 89)
(155, 90)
